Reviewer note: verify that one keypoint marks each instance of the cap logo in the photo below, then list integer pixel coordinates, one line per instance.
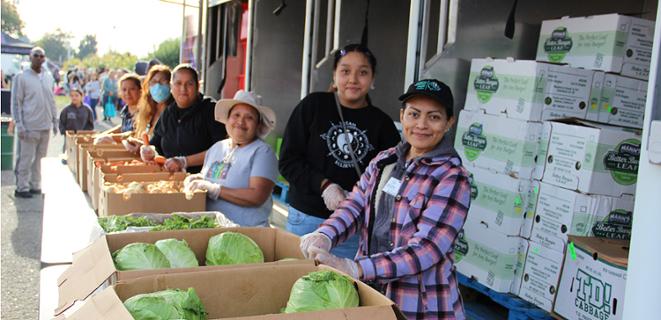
(427, 85)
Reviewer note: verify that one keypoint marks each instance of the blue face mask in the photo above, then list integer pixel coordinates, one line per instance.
(159, 92)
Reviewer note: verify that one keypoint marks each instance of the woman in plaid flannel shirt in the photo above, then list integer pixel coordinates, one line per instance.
(408, 208)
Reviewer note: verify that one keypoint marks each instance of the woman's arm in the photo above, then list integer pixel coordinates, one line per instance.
(437, 229)
(196, 159)
(258, 190)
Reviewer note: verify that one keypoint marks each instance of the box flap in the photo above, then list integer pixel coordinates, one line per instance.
(103, 306)
(153, 176)
(611, 251)
(90, 268)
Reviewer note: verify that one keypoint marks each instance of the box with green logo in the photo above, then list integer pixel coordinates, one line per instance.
(488, 256)
(530, 90)
(561, 212)
(610, 42)
(593, 280)
(622, 102)
(590, 158)
(498, 200)
(519, 268)
(541, 275)
(504, 145)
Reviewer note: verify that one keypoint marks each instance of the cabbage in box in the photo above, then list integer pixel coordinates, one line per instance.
(590, 158)
(622, 102)
(498, 200)
(507, 146)
(561, 212)
(593, 280)
(530, 90)
(610, 42)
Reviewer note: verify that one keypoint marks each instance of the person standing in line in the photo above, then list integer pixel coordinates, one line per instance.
(93, 91)
(329, 139)
(77, 115)
(109, 95)
(34, 113)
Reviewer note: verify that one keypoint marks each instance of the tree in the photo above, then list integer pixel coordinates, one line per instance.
(11, 21)
(56, 45)
(111, 60)
(87, 46)
(167, 52)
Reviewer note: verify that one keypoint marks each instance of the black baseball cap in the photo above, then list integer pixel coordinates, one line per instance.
(434, 89)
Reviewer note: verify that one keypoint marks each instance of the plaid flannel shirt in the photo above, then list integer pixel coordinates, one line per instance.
(429, 211)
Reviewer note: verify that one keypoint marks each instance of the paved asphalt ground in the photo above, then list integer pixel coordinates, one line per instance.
(21, 244)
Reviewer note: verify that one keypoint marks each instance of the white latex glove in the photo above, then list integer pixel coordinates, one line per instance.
(131, 146)
(175, 164)
(147, 153)
(104, 139)
(316, 240)
(212, 189)
(192, 177)
(345, 265)
(333, 195)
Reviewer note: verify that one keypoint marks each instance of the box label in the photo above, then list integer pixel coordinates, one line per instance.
(558, 44)
(474, 141)
(486, 84)
(623, 161)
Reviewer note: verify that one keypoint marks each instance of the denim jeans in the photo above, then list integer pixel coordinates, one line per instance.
(300, 223)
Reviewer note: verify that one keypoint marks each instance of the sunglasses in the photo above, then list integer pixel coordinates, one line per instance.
(38, 55)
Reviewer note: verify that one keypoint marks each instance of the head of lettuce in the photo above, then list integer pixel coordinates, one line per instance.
(140, 256)
(166, 304)
(232, 248)
(322, 290)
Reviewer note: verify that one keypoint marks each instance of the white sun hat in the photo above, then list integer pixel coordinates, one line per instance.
(266, 114)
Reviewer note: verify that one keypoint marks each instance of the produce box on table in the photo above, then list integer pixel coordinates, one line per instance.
(94, 265)
(70, 139)
(102, 166)
(159, 192)
(260, 292)
(107, 151)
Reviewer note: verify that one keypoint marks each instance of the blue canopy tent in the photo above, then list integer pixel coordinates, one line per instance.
(12, 45)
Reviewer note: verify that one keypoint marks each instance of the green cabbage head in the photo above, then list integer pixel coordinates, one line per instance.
(232, 248)
(177, 252)
(166, 305)
(322, 290)
(139, 256)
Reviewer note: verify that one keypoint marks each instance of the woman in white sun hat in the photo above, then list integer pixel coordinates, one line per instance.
(239, 172)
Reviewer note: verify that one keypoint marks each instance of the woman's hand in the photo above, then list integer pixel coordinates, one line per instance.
(147, 153)
(132, 145)
(333, 195)
(212, 189)
(316, 240)
(175, 164)
(345, 265)
(104, 139)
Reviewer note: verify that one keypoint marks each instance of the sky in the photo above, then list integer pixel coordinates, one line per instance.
(135, 26)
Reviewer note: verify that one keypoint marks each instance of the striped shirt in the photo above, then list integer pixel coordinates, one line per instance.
(430, 209)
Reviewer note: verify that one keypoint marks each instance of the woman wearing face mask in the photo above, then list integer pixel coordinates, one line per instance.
(239, 172)
(323, 147)
(186, 129)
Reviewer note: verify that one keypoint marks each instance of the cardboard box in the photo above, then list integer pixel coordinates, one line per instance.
(531, 207)
(486, 255)
(541, 275)
(103, 148)
(70, 140)
(610, 42)
(593, 282)
(561, 212)
(99, 169)
(498, 200)
(93, 266)
(531, 91)
(506, 146)
(237, 293)
(108, 151)
(622, 102)
(118, 204)
(591, 158)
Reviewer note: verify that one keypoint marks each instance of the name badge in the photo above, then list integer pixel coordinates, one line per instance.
(392, 186)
